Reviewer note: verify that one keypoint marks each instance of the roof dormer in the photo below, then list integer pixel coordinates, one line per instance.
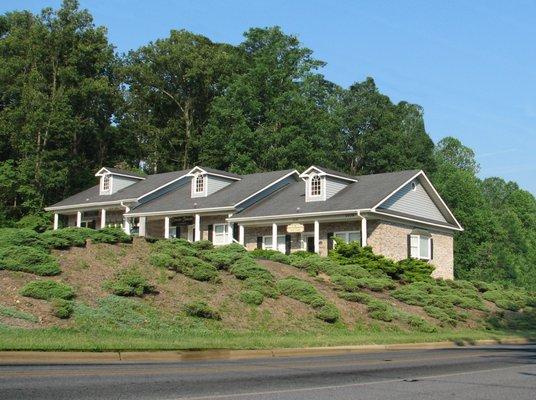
(112, 180)
(206, 181)
(322, 183)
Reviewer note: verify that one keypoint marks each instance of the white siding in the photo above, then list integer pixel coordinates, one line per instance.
(333, 186)
(414, 202)
(121, 182)
(215, 183)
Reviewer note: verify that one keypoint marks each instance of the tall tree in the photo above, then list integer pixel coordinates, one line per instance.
(57, 96)
(451, 150)
(380, 136)
(170, 86)
(274, 113)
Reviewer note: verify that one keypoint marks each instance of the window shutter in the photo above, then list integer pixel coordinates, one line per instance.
(409, 246)
(259, 242)
(178, 231)
(235, 231)
(210, 232)
(287, 244)
(431, 249)
(330, 241)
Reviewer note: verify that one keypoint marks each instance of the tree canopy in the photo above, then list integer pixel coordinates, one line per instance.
(69, 105)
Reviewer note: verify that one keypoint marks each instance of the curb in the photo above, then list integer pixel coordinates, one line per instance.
(115, 357)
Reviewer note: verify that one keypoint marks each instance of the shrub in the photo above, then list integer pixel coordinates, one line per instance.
(47, 289)
(67, 237)
(344, 282)
(301, 291)
(253, 297)
(247, 268)
(417, 322)
(174, 248)
(376, 284)
(272, 255)
(62, 308)
(36, 222)
(12, 237)
(413, 270)
(195, 268)
(356, 297)
(314, 264)
(440, 315)
(111, 236)
(328, 313)
(508, 299)
(129, 282)
(266, 287)
(28, 259)
(201, 309)
(223, 257)
(203, 245)
(380, 310)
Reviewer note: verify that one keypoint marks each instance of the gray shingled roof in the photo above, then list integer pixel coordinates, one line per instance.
(363, 194)
(181, 199)
(220, 172)
(125, 172)
(135, 190)
(336, 173)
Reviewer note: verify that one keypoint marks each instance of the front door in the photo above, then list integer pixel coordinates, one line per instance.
(311, 244)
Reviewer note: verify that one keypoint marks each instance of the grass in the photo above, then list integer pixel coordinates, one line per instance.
(47, 289)
(18, 314)
(56, 339)
(201, 309)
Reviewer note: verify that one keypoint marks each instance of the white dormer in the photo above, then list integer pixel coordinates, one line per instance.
(112, 180)
(207, 181)
(199, 185)
(322, 183)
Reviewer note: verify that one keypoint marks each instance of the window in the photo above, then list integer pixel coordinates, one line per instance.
(199, 184)
(420, 247)
(267, 243)
(220, 234)
(106, 183)
(316, 186)
(413, 186)
(349, 236)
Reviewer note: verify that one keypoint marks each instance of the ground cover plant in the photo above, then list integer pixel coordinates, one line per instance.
(129, 282)
(47, 289)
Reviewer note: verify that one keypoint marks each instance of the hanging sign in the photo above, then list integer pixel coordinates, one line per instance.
(295, 228)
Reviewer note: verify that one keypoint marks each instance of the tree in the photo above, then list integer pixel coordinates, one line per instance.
(274, 114)
(170, 86)
(451, 150)
(380, 136)
(58, 94)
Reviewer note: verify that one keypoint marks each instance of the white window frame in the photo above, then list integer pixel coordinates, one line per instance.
(106, 179)
(224, 236)
(309, 188)
(417, 248)
(195, 191)
(315, 187)
(347, 236)
(265, 246)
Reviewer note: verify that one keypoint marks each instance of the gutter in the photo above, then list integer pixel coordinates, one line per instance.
(86, 205)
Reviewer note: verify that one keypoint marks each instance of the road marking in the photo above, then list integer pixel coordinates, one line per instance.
(328, 387)
(127, 370)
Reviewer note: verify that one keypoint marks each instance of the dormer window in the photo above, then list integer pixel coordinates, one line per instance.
(316, 186)
(106, 183)
(199, 184)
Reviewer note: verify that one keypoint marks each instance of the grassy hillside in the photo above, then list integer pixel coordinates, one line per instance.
(94, 290)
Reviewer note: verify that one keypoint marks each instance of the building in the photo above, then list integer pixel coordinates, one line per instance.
(398, 214)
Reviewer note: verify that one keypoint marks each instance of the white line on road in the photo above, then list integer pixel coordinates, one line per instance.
(317, 388)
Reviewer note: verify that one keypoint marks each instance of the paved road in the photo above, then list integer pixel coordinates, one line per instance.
(493, 372)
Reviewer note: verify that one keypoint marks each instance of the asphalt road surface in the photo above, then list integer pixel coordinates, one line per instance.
(492, 372)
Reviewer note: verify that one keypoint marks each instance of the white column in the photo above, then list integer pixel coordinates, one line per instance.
(166, 227)
(143, 221)
(126, 222)
(317, 237)
(78, 219)
(103, 218)
(363, 231)
(274, 236)
(197, 228)
(241, 234)
(56, 221)
(230, 233)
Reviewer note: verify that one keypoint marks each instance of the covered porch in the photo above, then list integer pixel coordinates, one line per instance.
(95, 218)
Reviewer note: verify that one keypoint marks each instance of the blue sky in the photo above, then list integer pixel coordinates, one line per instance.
(470, 64)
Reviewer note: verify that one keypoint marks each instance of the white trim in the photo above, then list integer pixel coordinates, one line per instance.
(305, 174)
(86, 205)
(420, 173)
(193, 185)
(266, 187)
(224, 236)
(190, 173)
(419, 257)
(197, 228)
(56, 221)
(347, 233)
(317, 236)
(364, 232)
(161, 187)
(241, 234)
(99, 173)
(166, 228)
(276, 243)
(417, 220)
(281, 216)
(181, 212)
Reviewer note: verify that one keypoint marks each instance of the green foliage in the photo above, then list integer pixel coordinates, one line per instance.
(67, 237)
(328, 313)
(28, 259)
(195, 268)
(202, 245)
(224, 256)
(201, 309)
(110, 235)
(47, 289)
(129, 282)
(18, 314)
(13, 237)
(509, 299)
(252, 297)
(62, 308)
(37, 222)
(272, 255)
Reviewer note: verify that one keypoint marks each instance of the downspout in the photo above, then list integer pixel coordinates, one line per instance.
(363, 229)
